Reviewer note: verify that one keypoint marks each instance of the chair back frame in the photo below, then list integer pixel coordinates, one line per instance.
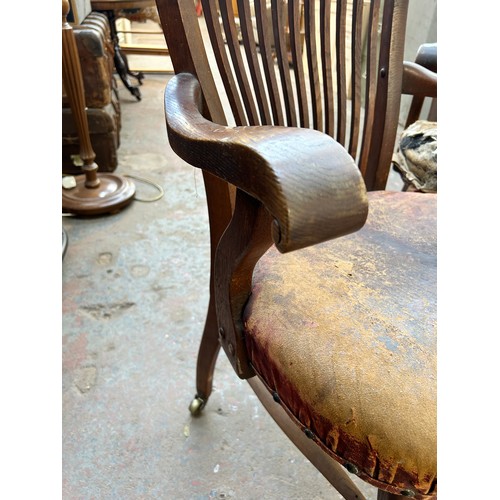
(293, 83)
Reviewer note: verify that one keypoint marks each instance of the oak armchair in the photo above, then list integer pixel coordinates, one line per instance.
(323, 285)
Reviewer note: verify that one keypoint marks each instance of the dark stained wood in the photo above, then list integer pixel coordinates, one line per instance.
(246, 239)
(295, 26)
(326, 55)
(381, 97)
(371, 86)
(414, 82)
(418, 80)
(265, 46)
(341, 71)
(181, 28)
(282, 59)
(253, 63)
(271, 164)
(312, 64)
(220, 212)
(227, 14)
(208, 352)
(256, 97)
(213, 27)
(356, 54)
(389, 88)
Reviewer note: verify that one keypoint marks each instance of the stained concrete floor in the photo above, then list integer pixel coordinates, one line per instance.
(135, 292)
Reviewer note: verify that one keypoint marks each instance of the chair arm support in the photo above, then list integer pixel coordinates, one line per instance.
(418, 81)
(305, 179)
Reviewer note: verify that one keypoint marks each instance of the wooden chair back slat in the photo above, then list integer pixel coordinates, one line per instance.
(388, 94)
(389, 87)
(371, 85)
(312, 64)
(356, 58)
(212, 23)
(227, 14)
(278, 19)
(340, 33)
(253, 63)
(266, 46)
(326, 59)
(295, 22)
(332, 65)
(380, 99)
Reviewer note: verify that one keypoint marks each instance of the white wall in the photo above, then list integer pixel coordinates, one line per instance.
(421, 26)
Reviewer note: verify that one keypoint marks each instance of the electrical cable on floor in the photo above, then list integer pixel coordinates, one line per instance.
(151, 183)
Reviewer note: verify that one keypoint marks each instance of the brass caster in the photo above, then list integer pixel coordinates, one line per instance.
(196, 406)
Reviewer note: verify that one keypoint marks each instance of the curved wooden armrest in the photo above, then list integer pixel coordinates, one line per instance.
(418, 81)
(305, 179)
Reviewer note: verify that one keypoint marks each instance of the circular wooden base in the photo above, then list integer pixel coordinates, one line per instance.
(113, 193)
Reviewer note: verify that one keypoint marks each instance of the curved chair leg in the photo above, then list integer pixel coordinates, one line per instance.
(207, 357)
(219, 211)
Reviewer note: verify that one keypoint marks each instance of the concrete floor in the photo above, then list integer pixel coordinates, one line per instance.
(135, 291)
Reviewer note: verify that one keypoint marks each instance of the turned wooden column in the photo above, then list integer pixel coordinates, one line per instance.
(92, 193)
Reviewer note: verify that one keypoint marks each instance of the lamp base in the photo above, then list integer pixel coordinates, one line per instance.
(113, 193)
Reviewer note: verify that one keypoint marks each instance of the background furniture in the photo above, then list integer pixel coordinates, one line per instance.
(91, 193)
(427, 58)
(416, 155)
(95, 53)
(337, 338)
(132, 10)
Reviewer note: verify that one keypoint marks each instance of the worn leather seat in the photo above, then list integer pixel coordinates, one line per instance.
(357, 291)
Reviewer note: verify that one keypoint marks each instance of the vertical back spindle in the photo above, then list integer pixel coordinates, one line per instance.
(356, 54)
(371, 85)
(312, 64)
(265, 46)
(227, 14)
(282, 59)
(214, 32)
(341, 70)
(253, 63)
(326, 59)
(294, 21)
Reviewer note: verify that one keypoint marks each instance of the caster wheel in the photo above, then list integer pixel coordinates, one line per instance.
(196, 406)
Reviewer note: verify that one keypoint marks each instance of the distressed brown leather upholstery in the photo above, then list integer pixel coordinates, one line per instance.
(335, 293)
